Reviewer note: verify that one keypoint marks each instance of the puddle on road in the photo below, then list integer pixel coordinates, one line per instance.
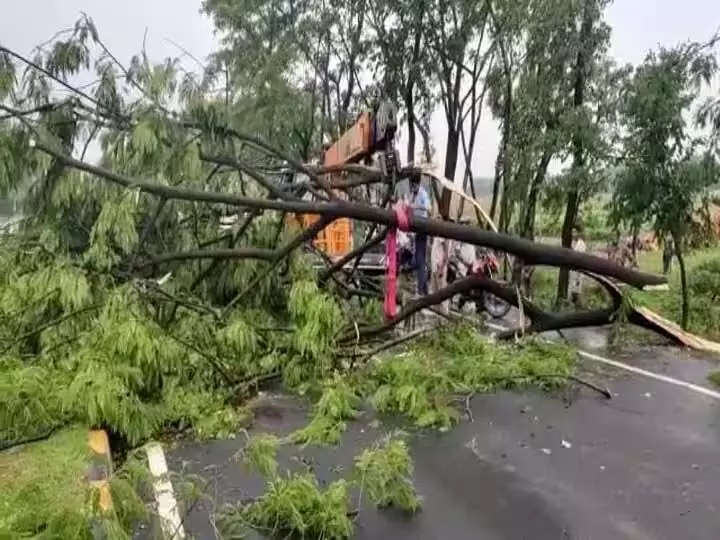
(590, 339)
(593, 340)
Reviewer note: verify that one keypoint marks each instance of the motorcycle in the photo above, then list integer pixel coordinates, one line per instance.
(487, 266)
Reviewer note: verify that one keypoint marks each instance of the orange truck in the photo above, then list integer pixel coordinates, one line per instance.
(373, 131)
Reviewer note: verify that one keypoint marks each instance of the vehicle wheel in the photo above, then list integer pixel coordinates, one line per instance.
(495, 306)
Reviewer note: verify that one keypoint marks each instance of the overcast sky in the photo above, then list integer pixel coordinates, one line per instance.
(638, 25)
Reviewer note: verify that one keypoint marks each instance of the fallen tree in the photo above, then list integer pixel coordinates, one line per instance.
(112, 236)
(127, 305)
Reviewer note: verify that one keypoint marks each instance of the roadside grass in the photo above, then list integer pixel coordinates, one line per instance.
(704, 315)
(704, 319)
(43, 490)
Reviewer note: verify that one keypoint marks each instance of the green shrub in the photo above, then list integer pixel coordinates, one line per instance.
(704, 290)
(705, 280)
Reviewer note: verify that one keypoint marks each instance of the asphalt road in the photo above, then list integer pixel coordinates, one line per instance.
(642, 465)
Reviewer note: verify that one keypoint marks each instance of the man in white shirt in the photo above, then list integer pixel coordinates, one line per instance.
(466, 256)
(576, 278)
(463, 254)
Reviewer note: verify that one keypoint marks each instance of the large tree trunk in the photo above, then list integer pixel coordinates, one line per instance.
(685, 308)
(571, 213)
(451, 157)
(453, 116)
(410, 106)
(634, 243)
(497, 182)
(506, 209)
(502, 164)
(452, 149)
(344, 119)
(528, 226)
(410, 86)
(573, 199)
(468, 181)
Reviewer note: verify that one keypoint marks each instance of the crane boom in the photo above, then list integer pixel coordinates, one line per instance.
(353, 145)
(373, 131)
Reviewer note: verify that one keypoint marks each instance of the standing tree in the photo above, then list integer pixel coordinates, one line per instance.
(592, 39)
(462, 50)
(398, 58)
(662, 183)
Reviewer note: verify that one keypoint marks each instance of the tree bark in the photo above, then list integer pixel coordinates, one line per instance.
(506, 209)
(451, 157)
(528, 228)
(410, 86)
(410, 107)
(502, 163)
(685, 306)
(541, 322)
(573, 199)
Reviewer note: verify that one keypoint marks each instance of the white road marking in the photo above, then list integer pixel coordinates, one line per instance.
(167, 506)
(651, 374)
(633, 369)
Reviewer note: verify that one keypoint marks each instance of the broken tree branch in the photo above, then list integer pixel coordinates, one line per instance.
(537, 254)
(239, 253)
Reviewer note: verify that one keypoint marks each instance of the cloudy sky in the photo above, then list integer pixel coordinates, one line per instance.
(638, 25)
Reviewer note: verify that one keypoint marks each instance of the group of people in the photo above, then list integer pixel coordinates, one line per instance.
(624, 252)
(620, 252)
(414, 251)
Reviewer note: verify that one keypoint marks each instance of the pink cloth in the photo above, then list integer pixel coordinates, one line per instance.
(403, 223)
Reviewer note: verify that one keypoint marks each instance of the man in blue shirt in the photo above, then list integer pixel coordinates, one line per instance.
(420, 205)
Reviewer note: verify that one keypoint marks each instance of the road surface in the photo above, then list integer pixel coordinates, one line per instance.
(643, 465)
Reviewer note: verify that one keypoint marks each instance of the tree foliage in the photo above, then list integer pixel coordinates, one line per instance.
(128, 303)
(665, 179)
(422, 385)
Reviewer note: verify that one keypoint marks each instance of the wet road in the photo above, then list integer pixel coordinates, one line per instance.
(643, 465)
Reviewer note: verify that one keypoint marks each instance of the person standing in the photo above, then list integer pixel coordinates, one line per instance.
(668, 254)
(613, 249)
(576, 278)
(420, 205)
